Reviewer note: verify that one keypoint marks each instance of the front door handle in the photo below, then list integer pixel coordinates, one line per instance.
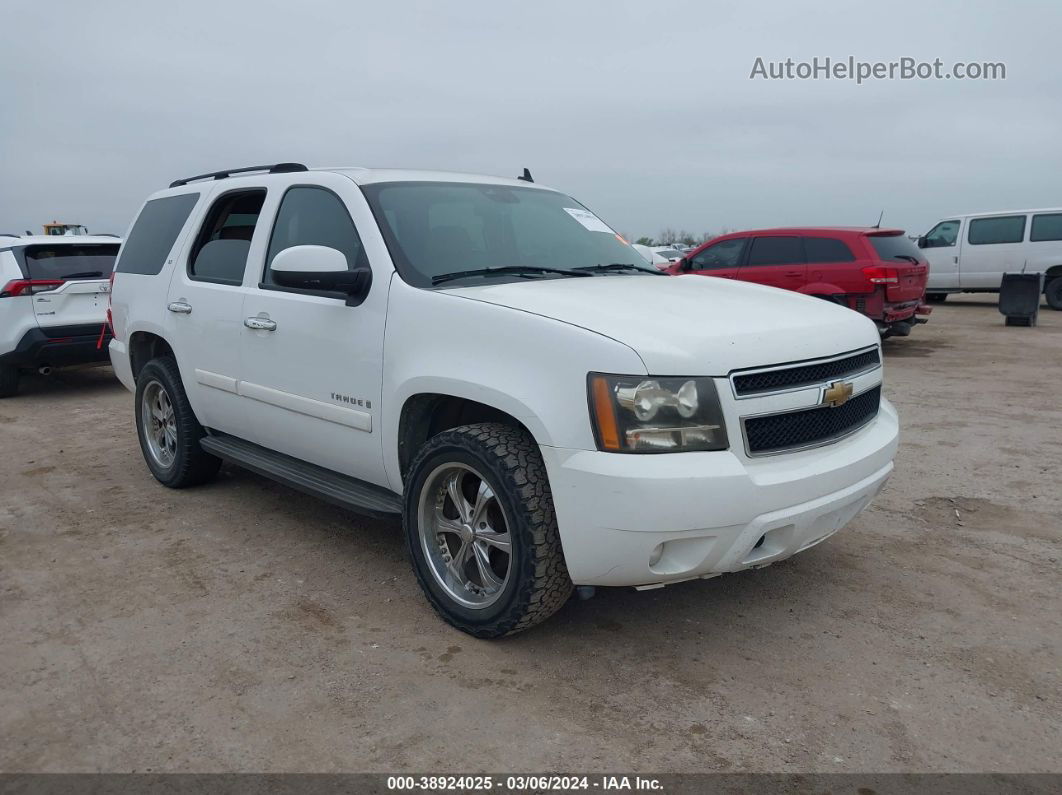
(260, 323)
(180, 307)
(794, 273)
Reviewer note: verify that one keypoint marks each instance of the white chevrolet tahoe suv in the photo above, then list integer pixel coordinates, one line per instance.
(486, 358)
(53, 302)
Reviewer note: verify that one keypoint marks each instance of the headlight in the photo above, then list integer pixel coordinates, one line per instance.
(643, 414)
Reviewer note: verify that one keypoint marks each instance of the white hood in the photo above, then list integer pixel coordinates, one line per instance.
(691, 325)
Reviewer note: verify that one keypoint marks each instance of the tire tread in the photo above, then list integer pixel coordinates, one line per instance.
(548, 585)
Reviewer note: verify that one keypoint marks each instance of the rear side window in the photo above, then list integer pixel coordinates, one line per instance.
(894, 247)
(827, 249)
(776, 251)
(1005, 229)
(1046, 227)
(70, 262)
(220, 251)
(154, 233)
(314, 217)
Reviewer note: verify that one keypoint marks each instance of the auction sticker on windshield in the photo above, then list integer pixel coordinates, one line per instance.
(589, 220)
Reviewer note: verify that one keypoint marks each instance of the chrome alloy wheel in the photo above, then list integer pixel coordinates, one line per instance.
(465, 535)
(159, 424)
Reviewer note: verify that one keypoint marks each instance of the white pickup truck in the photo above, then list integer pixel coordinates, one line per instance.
(488, 359)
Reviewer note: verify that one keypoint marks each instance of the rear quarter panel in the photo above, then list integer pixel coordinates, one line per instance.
(16, 313)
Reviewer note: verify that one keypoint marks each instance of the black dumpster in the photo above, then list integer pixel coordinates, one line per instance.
(1019, 298)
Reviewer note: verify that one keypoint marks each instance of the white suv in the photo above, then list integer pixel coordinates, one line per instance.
(53, 302)
(488, 359)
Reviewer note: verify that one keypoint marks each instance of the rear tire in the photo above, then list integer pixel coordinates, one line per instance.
(481, 530)
(936, 298)
(8, 381)
(168, 430)
(1053, 293)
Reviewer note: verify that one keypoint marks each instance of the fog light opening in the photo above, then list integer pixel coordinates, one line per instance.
(656, 554)
(760, 542)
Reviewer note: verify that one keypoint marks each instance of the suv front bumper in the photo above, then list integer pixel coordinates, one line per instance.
(647, 520)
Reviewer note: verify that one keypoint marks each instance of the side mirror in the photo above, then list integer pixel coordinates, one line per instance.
(684, 264)
(922, 242)
(320, 268)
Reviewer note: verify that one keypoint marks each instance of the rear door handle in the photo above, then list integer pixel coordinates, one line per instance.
(794, 273)
(180, 307)
(260, 323)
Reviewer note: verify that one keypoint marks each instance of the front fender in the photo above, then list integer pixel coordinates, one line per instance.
(531, 367)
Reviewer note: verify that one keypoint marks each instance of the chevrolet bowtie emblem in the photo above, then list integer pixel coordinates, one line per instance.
(837, 394)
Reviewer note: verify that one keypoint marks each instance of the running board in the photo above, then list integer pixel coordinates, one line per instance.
(347, 492)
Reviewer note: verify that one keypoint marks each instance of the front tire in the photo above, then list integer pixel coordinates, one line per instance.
(168, 430)
(8, 381)
(481, 530)
(1053, 293)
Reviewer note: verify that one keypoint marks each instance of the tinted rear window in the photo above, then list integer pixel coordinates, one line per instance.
(1046, 227)
(90, 261)
(894, 247)
(827, 249)
(154, 234)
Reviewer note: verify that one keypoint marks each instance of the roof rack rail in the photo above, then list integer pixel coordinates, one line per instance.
(276, 168)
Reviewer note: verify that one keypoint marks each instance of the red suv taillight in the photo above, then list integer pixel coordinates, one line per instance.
(28, 287)
(879, 274)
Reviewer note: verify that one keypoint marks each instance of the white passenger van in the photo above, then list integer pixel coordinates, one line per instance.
(970, 253)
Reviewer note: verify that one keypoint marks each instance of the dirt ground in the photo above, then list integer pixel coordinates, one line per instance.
(243, 626)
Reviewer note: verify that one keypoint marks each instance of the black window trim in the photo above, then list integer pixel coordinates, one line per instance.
(196, 248)
(1024, 225)
(1032, 227)
(748, 251)
(272, 231)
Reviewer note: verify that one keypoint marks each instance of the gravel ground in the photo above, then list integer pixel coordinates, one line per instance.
(242, 626)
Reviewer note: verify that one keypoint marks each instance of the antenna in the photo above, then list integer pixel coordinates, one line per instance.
(526, 177)
(878, 224)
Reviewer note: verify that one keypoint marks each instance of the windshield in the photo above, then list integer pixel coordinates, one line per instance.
(88, 261)
(437, 228)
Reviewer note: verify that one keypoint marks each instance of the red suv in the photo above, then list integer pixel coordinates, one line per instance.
(878, 272)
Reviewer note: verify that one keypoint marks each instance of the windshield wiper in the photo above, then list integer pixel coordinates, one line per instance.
(621, 266)
(83, 275)
(907, 257)
(501, 270)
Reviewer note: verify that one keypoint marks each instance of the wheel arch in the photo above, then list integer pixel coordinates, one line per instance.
(427, 414)
(145, 346)
(821, 289)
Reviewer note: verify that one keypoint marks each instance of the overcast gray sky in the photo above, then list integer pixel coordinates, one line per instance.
(642, 110)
